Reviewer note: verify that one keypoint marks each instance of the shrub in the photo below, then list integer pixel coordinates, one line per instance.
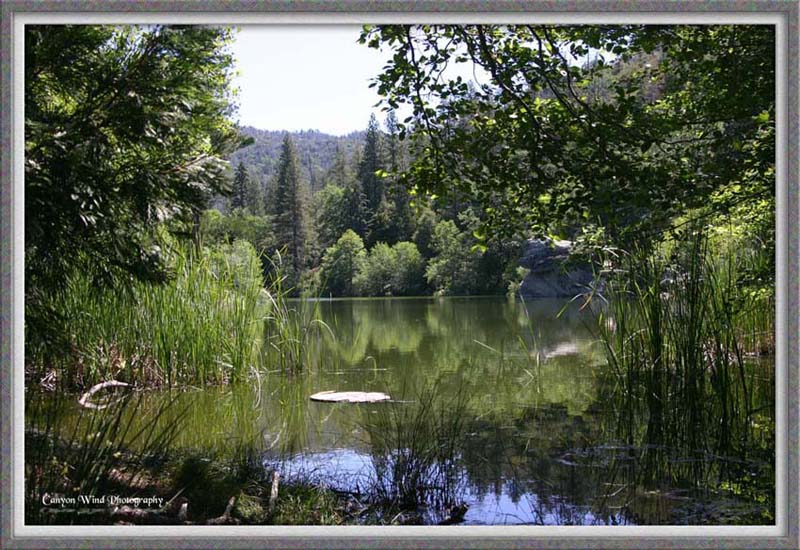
(217, 228)
(409, 276)
(452, 269)
(377, 274)
(342, 263)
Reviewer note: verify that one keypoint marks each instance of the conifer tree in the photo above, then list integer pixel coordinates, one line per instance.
(402, 221)
(339, 173)
(355, 213)
(372, 183)
(331, 205)
(393, 144)
(239, 192)
(290, 211)
(254, 195)
(371, 162)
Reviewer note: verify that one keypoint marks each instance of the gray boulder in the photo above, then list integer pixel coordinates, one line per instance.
(549, 277)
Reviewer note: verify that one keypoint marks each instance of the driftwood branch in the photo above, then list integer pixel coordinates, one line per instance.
(84, 400)
(139, 516)
(273, 494)
(225, 518)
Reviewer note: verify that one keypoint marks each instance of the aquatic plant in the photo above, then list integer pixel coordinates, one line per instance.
(680, 333)
(84, 455)
(415, 449)
(292, 328)
(200, 327)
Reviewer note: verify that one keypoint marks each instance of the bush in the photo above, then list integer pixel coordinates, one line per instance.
(409, 276)
(218, 228)
(376, 277)
(397, 270)
(423, 234)
(342, 263)
(452, 269)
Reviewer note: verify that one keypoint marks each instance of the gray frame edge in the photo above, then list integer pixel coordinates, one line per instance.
(793, 257)
(400, 6)
(6, 274)
(790, 10)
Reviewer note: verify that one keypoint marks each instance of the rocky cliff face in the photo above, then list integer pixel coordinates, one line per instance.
(549, 277)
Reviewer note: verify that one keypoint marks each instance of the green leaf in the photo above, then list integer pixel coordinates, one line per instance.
(478, 247)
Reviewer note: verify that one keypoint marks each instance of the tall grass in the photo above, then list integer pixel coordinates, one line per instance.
(82, 456)
(679, 334)
(293, 328)
(201, 327)
(415, 450)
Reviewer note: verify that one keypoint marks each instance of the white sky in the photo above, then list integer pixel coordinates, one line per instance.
(301, 77)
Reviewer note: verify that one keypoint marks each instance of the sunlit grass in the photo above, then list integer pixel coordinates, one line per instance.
(212, 323)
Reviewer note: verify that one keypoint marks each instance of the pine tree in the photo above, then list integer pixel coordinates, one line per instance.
(393, 143)
(355, 213)
(402, 221)
(339, 174)
(239, 192)
(371, 162)
(254, 195)
(290, 211)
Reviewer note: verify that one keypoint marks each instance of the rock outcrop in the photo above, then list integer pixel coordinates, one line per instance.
(550, 276)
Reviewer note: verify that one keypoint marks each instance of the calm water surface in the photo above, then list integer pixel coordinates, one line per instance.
(540, 437)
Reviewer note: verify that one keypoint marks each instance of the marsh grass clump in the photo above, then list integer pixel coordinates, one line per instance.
(307, 504)
(680, 334)
(100, 449)
(415, 450)
(250, 509)
(200, 327)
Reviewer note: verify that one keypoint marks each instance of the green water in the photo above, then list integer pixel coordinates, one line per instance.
(541, 429)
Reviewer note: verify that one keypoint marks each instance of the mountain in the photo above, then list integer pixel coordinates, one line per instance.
(315, 149)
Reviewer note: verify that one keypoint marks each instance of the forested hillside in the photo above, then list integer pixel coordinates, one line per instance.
(315, 150)
(336, 213)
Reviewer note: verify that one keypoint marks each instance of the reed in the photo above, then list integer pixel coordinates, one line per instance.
(202, 327)
(679, 335)
(415, 450)
(292, 328)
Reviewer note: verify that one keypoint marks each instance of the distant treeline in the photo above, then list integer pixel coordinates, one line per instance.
(344, 222)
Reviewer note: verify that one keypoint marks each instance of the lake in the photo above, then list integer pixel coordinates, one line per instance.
(517, 394)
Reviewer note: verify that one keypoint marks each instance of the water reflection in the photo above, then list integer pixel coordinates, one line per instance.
(541, 436)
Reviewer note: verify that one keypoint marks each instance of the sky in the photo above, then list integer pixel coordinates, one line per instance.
(297, 77)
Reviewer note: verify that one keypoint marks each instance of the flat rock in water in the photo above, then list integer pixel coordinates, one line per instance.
(350, 396)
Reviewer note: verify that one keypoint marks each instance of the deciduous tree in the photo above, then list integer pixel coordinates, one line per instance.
(685, 121)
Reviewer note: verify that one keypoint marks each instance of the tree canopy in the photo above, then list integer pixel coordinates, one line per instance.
(125, 126)
(586, 129)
